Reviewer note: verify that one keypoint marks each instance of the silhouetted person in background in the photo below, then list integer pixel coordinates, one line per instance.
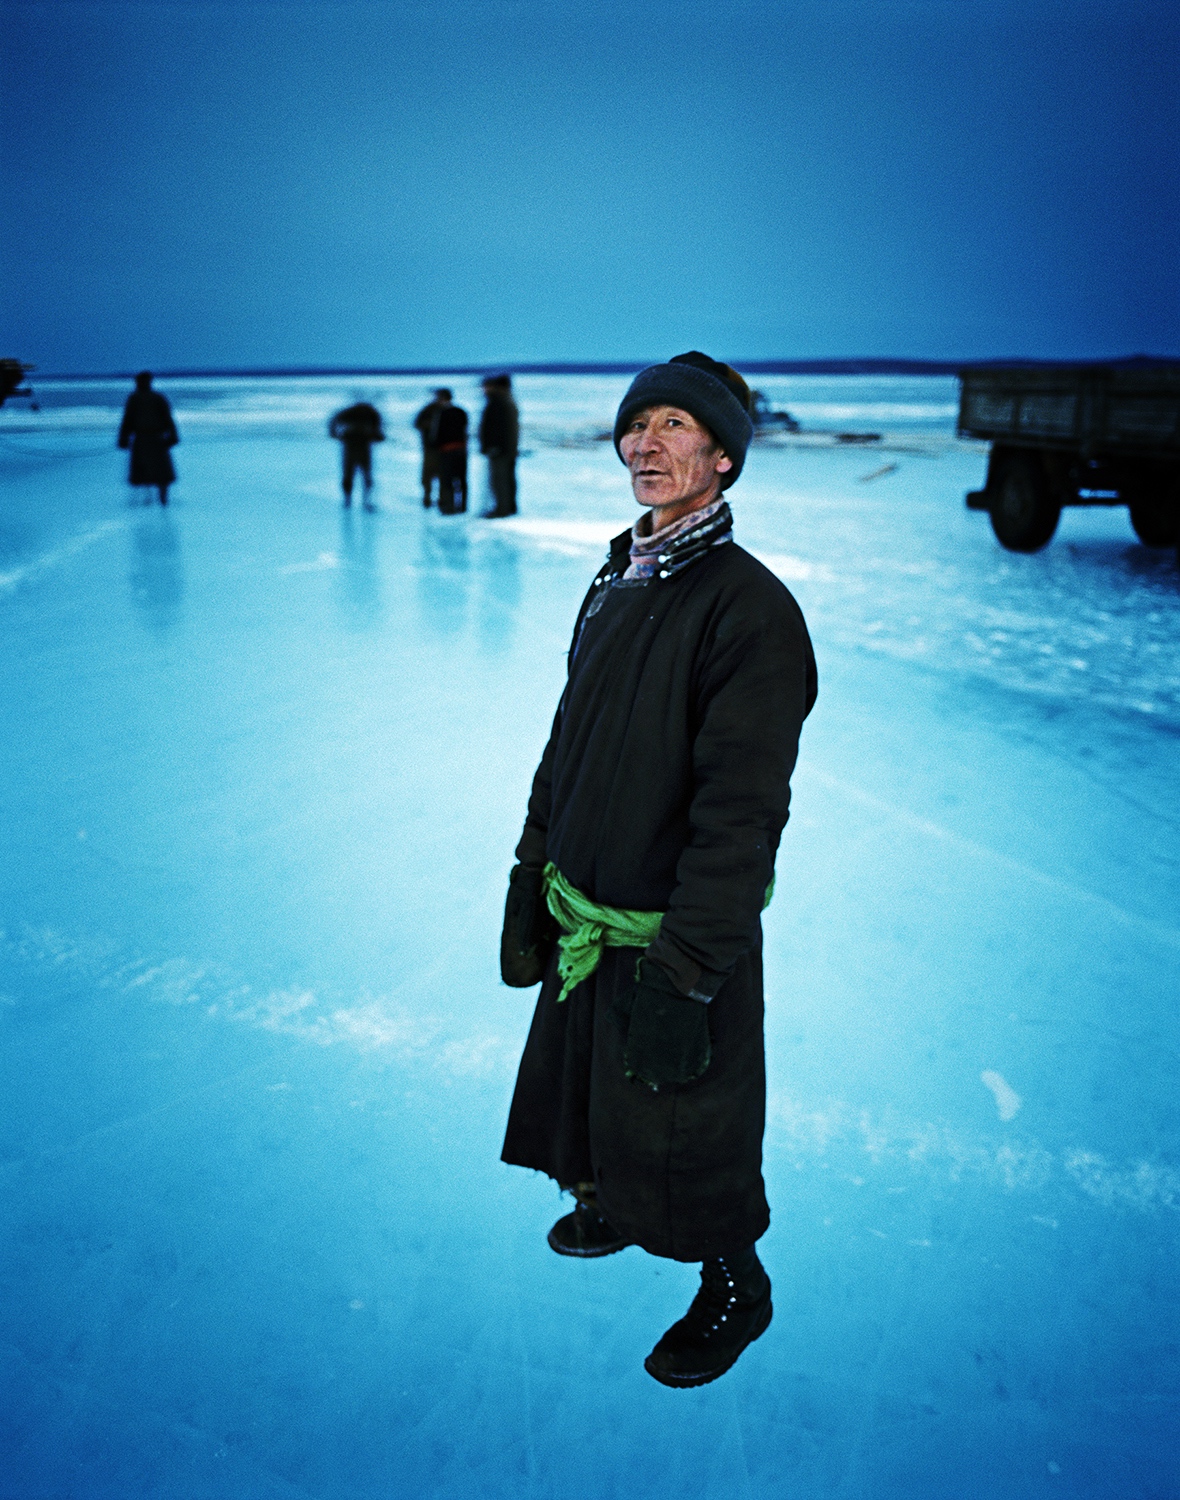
(499, 438)
(450, 435)
(356, 429)
(149, 431)
(427, 424)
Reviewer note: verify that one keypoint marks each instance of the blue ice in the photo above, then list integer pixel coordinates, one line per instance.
(263, 766)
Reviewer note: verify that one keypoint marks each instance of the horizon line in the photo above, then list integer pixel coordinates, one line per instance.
(844, 366)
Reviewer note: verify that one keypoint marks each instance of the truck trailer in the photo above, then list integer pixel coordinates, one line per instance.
(1075, 434)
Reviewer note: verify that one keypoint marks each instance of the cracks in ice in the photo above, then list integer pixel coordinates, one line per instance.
(1168, 936)
(32, 569)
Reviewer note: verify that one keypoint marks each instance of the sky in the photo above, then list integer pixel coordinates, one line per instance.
(233, 184)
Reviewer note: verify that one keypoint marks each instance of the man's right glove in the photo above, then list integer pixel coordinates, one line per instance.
(666, 1032)
(530, 933)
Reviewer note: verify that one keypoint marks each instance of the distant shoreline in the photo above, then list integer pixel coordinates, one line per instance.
(612, 367)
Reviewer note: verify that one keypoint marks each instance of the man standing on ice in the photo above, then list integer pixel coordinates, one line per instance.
(149, 430)
(499, 439)
(427, 424)
(646, 860)
(356, 429)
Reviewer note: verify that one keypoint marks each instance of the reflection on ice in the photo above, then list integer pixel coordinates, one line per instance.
(500, 594)
(157, 576)
(359, 584)
(443, 560)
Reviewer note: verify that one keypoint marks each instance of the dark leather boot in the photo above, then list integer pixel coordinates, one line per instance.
(730, 1311)
(585, 1233)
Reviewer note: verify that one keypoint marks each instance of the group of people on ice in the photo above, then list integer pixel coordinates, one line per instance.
(148, 429)
(443, 428)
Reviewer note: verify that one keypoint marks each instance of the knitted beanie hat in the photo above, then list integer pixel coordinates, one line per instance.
(713, 393)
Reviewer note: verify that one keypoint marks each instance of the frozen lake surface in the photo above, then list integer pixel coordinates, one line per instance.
(263, 766)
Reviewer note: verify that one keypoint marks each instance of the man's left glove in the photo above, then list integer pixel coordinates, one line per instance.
(530, 932)
(666, 1033)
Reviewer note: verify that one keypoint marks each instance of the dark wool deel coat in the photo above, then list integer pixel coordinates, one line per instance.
(149, 431)
(665, 787)
(499, 425)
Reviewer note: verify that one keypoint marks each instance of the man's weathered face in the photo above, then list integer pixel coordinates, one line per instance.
(673, 459)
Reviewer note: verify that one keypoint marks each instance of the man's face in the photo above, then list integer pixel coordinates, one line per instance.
(673, 459)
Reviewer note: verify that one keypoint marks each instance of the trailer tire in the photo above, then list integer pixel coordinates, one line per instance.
(1024, 512)
(1154, 521)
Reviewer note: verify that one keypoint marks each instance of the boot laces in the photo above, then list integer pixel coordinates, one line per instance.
(716, 1300)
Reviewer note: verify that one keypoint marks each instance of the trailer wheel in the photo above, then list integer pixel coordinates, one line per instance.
(1154, 521)
(1024, 513)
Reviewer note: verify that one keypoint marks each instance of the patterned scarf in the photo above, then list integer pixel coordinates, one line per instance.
(675, 546)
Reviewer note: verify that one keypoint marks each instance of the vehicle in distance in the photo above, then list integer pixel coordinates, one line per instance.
(765, 418)
(12, 372)
(1075, 434)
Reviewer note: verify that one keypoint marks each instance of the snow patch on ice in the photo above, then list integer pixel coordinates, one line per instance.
(1013, 1166)
(375, 1024)
(577, 534)
(176, 981)
(794, 569)
(888, 413)
(1142, 1186)
(380, 1025)
(325, 561)
(1008, 1101)
(371, 1024)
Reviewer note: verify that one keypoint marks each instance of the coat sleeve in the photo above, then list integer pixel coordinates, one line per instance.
(755, 686)
(531, 848)
(124, 440)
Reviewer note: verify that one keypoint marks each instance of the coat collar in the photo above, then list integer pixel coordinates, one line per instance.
(684, 550)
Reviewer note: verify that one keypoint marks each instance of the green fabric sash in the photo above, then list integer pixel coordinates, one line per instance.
(588, 927)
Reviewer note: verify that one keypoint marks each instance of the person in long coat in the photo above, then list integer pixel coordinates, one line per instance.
(426, 423)
(149, 430)
(499, 440)
(450, 436)
(645, 863)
